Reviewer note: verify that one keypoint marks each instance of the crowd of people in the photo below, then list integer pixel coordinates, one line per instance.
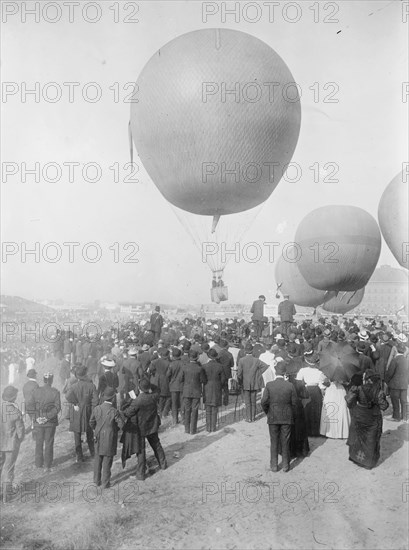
(327, 377)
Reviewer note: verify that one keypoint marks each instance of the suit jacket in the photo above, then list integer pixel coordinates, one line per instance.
(45, 402)
(106, 420)
(384, 350)
(65, 369)
(28, 389)
(108, 379)
(249, 373)
(279, 402)
(226, 360)
(192, 377)
(158, 369)
(84, 394)
(215, 379)
(12, 427)
(397, 375)
(144, 359)
(156, 322)
(257, 309)
(174, 374)
(365, 362)
(286, 311)
(144, 409)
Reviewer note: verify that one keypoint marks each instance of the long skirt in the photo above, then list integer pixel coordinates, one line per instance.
(365, 437)
(335, 417)
(313, 411)
(131, 445)
(299, 445)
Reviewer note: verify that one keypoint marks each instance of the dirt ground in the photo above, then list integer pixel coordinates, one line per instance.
(217, 492)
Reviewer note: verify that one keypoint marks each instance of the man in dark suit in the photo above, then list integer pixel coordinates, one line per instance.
(175, 385)
(45, 404)
(28, 389)
(192, 378)
(215, 379)
(397, 378)
(249, 376)
(156, 322)
(145, 409)
(105, 420)
(365, 362)
(226, 360)
(286, 311)
(279, 402)
(158, 371)
(257, 309)
(84, 398)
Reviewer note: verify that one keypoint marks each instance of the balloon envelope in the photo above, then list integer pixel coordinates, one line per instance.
(344, 301)
(293, 283)
(393, 216)
(209, 150)
(339, 247)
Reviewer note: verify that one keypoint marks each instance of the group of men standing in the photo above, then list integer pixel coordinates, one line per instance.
(138, 388)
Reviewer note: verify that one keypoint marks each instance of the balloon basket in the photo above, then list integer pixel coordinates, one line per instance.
(219, 294)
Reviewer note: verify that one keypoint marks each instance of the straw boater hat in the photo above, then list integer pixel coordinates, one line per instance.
(108, 361)
(402, 338)
(363, 335)
(132, 351)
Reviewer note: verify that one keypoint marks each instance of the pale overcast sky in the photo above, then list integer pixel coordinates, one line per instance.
(365, 54)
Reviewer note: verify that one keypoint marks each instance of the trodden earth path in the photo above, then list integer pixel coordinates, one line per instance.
(217, 492)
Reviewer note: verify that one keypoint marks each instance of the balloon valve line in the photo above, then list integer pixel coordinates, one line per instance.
(215, 222)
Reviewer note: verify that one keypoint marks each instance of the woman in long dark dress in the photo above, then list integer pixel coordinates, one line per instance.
(366, 402)
(314, 379)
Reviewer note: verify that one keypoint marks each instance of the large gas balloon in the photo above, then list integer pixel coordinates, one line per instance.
(393, 216)
(291, 282)
(339, 247)
(344, 301)
(217, 120)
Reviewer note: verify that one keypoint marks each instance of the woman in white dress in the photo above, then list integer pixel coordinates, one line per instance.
(335, 416)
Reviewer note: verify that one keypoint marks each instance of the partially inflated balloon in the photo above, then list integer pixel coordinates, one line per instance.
(339, 247)
(344, 301)
(217, 120)
(291, 282)
(393, 216)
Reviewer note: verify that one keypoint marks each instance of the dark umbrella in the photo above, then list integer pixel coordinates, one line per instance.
(342, 357)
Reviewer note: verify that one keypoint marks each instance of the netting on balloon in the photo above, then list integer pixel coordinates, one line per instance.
(224, 245)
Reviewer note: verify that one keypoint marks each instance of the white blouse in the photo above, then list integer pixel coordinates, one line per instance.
(312, 377)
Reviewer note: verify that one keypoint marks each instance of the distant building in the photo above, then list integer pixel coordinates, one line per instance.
(386, 292)
(130, 308)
